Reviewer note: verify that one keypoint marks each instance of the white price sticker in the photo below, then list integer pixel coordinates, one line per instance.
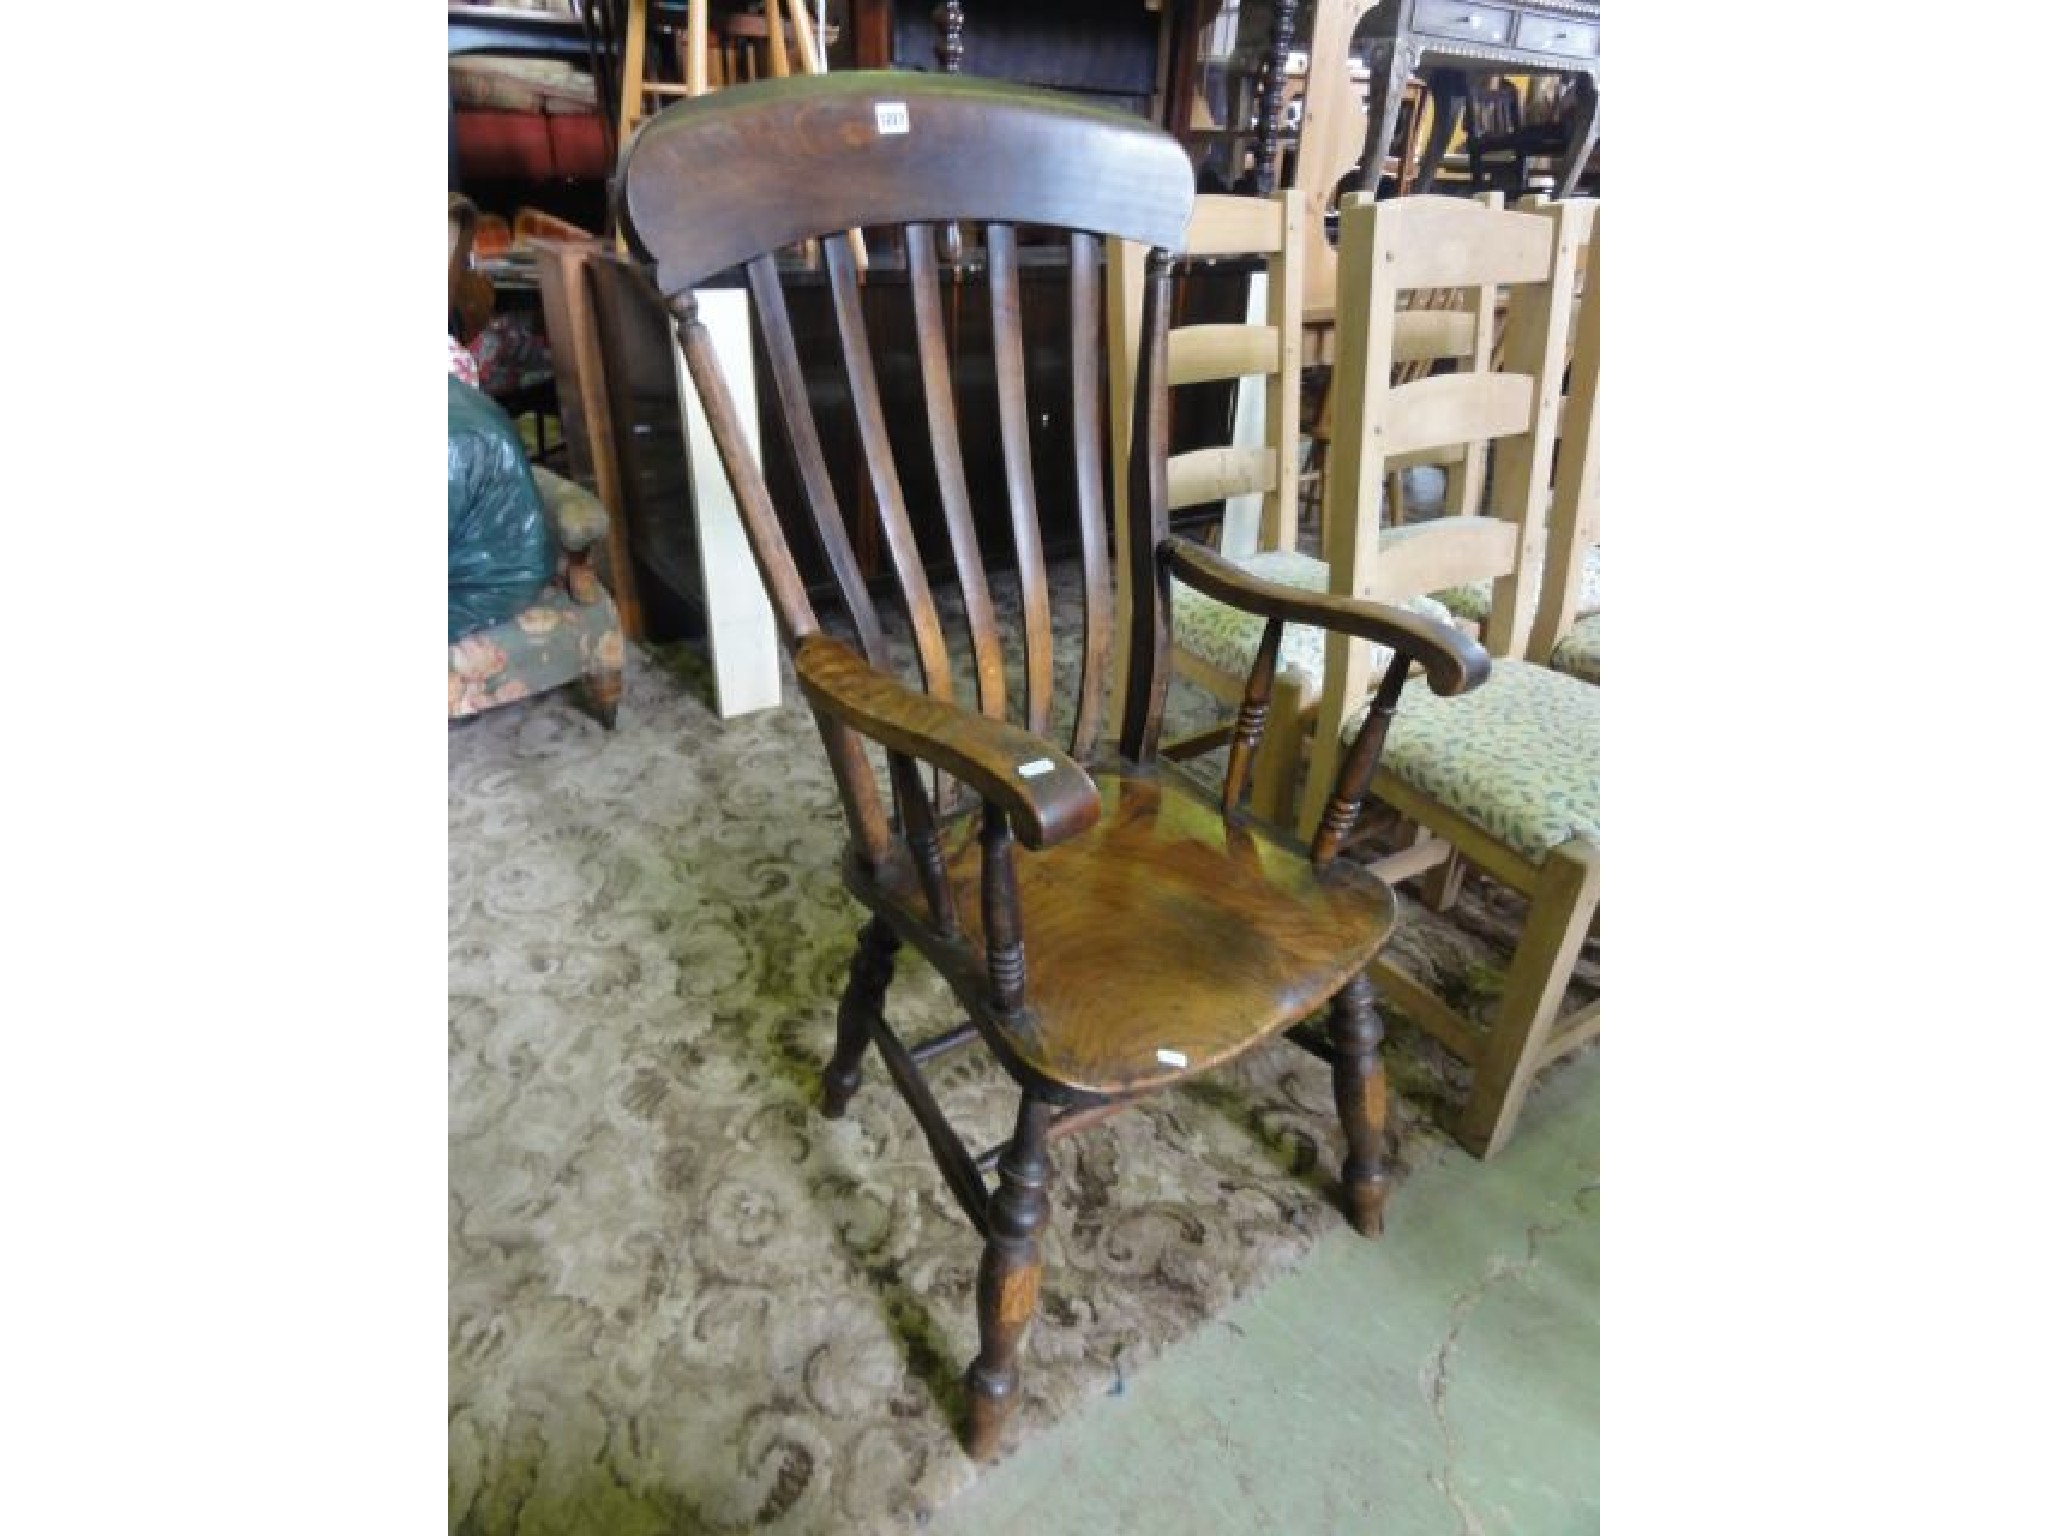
(892, 117)
(1032, 769)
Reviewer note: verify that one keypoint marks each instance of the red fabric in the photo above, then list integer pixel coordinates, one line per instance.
(578, 142)
(526, 146)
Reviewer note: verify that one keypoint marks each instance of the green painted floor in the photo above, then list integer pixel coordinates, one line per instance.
(1442, 1380)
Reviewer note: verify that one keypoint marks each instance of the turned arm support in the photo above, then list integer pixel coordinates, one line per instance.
(1025, 783)
(1453, 662)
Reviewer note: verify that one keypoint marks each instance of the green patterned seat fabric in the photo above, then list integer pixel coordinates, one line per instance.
(1518, 756)
(1228, 638)
(1579, 652)
(1474, 600)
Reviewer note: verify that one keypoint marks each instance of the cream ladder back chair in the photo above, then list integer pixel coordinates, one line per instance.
(1474, 600)
(1214, 643)
(1509, 779)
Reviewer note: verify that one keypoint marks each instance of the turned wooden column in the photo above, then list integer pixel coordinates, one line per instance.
(1266, 163)
(1006, 1290)
(950, 23)
(1361, 1084)
(874, 965)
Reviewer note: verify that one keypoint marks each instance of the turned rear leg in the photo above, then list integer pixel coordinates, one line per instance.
(1006, 1292)
(874, 963)
(1361, 1083)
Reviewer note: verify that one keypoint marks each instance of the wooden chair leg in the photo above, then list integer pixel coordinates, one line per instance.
(1561, 908)
(874, 966)
(1361, 1083)
(601, 692)
(1006, 1292)
(1439, 885)
(1439, 888)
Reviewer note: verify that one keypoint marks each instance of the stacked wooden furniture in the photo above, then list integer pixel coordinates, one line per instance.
(1148, 932)
(1447, 43)
(1215, 645)
(1452, 42)
(779, 42)
(1508, 779)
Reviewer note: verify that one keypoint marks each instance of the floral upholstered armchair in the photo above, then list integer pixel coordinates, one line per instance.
(569, 633)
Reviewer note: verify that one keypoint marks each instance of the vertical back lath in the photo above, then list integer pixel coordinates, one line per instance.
(944, 425)
(802, 428)
(1007, 321)
(1084, 262)
(904, 557)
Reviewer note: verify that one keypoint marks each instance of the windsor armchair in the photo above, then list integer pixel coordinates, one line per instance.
(1165, 933)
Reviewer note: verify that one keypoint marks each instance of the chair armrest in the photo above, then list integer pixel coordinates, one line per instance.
(578, 518)
(1046, 805)
(1452, 661)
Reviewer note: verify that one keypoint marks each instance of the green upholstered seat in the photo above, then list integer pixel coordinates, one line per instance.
(1579, 652)
(1474, 600)
(1519, 756)
(1228, 638)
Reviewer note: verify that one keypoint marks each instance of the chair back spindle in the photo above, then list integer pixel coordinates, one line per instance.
(936, 372)
(1007, 322)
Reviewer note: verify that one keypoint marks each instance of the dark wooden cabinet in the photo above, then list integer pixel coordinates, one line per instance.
(1133, 54)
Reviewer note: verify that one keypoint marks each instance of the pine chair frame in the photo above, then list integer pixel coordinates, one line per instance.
(1272, 227)
(1224, 225)
(1427, 243)
(1106, 1011)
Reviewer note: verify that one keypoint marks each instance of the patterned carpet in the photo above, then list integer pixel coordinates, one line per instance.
(679, 1299)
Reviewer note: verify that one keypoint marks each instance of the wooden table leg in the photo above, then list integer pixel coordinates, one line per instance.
(1389, 67)
(1585, 134)
(1448, 93)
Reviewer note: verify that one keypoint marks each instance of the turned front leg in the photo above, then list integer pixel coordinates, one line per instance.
(1006, 1292)
(1361, 1082)
(874, 965)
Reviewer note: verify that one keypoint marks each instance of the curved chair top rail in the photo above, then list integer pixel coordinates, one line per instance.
(791, 160)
